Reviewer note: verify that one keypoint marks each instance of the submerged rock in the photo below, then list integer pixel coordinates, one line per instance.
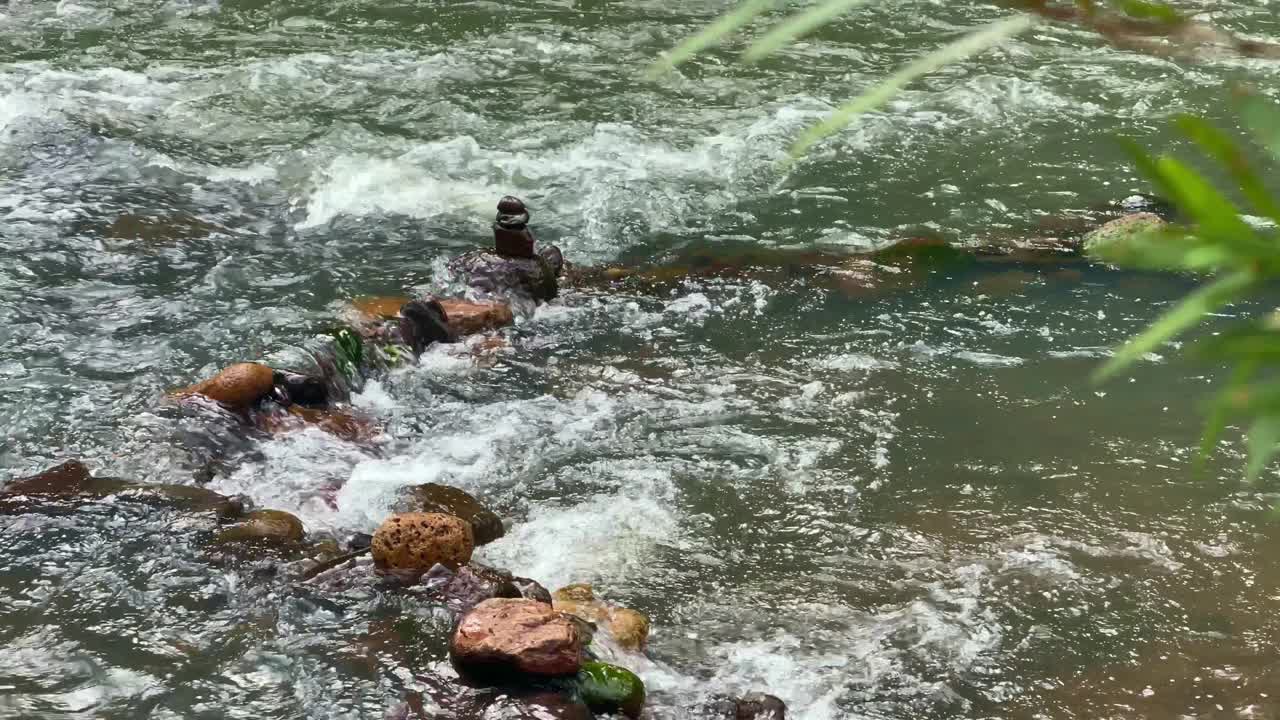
(755, 706)
(503, 640)
(159, 228)
(270, 527)
(629, 628)
(609, 689)
(491, 704)
(340, 423)
(410, 544)
(184, 497)
(486, 526)
(544, 705)
(239, 386)
(72, 479)
(68, 478)
(380, 307)
(1122, 230)
(471, 585)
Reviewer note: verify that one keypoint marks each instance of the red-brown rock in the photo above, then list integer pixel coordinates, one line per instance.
(239, 386)
(468, 318)
(503, 639)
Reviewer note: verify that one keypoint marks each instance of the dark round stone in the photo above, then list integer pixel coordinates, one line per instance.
(510, 205)
(423, 322)
(302, 390)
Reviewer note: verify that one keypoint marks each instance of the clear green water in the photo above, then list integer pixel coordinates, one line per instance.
(907, 504)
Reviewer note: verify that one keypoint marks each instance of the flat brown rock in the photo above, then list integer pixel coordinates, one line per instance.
(68, 478)
(380, 307)
(502, 639)
(468, 318)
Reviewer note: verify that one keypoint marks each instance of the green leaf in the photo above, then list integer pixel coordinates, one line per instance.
(1262, 117)
(798, 25)
(970, 44)
(1215, 216)
(1250, 342)
(1144, 10)
(708, 36)
(1221, 408)
(1217, 145)
(1178, 320)
(1264, 440)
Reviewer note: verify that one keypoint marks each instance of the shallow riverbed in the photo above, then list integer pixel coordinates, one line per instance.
(908, 502)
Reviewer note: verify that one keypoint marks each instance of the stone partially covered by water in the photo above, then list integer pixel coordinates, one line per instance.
(534, 277)
(436, 498)
(1115, 234)
(754, 706)
(468, 318)
(73, 480)
(872, 482)
(238, 386)
(469, 586)
(509, 641)
(629, 628)
(266, 527)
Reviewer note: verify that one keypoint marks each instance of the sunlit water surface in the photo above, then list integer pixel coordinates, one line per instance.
(908, 504)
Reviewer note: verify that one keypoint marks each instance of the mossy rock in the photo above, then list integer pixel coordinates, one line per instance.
(608, 688)
(274, 527)
(486, 526)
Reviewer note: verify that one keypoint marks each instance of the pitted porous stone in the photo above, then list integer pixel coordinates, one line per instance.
(414, 542)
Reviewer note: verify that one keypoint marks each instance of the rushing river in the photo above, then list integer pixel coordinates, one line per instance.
(907, 502)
